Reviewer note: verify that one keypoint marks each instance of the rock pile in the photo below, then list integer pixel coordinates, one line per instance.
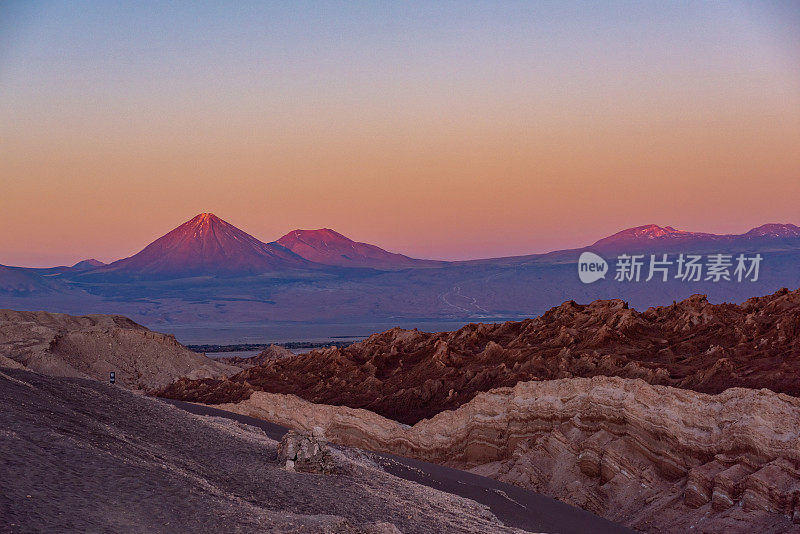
(305, 453)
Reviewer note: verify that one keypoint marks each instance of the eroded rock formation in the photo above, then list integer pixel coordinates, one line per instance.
(659, 459)
(92, 346)
(408, 375)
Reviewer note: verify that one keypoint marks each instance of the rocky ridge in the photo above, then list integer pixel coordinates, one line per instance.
(408, 375)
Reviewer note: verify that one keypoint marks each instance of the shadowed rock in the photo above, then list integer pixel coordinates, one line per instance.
(270, 353)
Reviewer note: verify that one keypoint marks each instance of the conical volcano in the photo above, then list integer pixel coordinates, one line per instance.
(206, 245)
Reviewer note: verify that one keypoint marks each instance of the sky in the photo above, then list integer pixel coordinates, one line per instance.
(447, 130)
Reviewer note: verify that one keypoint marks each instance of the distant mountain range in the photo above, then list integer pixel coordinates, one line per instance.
(208, 271)
(207, 245)
(87, 265)
(667, 237)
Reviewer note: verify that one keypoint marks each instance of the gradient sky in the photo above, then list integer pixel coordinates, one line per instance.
(437, 129)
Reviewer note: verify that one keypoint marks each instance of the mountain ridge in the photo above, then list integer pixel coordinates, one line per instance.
(669, 237)
(257, 287)
(207, 244)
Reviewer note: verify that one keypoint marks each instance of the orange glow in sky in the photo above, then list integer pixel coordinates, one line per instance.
(462, 142)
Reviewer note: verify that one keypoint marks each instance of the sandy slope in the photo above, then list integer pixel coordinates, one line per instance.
(514, 506)
(80, 456)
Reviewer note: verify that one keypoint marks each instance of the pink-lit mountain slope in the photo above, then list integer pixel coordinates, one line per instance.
(656, 237)
(651, 235)
(780, 231)
(206, 245)
(332, 248)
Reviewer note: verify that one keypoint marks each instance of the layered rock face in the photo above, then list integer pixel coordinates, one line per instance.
(92, 346)
(409, 375)
(659, 459)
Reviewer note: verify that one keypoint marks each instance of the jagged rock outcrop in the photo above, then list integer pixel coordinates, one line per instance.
(408, 375)
(92, 346)
(659, 459)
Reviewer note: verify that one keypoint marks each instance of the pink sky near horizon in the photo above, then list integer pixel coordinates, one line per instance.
(456, 143)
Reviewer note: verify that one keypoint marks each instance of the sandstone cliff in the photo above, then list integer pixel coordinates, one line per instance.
(92, 346)
(659, 459)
